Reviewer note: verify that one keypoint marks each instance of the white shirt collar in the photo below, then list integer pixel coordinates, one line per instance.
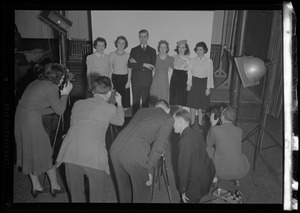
(99, 55)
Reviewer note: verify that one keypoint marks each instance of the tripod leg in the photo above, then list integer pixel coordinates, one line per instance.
(250, 134)
(271, 136)
(153, 185)
(159, 173)
(62, 122)
(60, 117)
(166, 180)
(257, 146)
(53, 143)
(44, 179)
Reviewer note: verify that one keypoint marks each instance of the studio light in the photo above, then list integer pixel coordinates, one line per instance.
(251, 69)
(56, 20)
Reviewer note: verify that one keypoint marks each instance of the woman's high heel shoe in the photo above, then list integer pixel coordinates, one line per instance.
(53, 192)
(35, 192)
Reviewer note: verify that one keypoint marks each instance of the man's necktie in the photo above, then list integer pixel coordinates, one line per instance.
(144, 48)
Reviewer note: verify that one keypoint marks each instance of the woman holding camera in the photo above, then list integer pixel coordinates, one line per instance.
(34, 151)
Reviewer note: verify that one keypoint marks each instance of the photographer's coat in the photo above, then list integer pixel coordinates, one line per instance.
(84, 144)
(137, 149)
(224, 145)
(196, 169)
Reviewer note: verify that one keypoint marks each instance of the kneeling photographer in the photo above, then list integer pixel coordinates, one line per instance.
(224, 146)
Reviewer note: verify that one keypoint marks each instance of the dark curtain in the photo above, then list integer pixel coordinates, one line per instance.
(275, 54)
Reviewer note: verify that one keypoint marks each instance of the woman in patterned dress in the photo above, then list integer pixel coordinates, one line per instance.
(160, 83)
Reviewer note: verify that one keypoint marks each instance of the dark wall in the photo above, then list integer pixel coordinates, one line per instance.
(257, 36)
(46, 44)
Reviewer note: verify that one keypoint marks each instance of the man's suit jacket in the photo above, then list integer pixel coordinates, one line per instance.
(196, 169)
(141, 76)
(84, 143)
(149, 126)
(224, 145)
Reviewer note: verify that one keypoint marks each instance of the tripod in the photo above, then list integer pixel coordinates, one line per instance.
(161, 170)
(261, 127)
(62, 124)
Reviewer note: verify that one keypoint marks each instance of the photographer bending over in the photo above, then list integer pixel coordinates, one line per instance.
(224, 146)
(83, 150)
(195, 168)
(137, 149)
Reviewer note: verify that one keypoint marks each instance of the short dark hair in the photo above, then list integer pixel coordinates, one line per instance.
(183, 113)
(201, 44)
(102, 85)
(53, 72)
(99, 39)
(144, 31)
(122, 38)
(162, 102)
(187, 51)
(163, 42)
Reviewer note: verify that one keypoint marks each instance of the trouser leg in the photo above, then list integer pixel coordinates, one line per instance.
(136, 96)
(139, 176)
(96, 184)
(145, 96)
(75, 180)
(123, 181)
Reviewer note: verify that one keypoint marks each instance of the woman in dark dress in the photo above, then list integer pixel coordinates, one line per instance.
(200, 82)
(118, 71)
(34, 151)
(178, 83)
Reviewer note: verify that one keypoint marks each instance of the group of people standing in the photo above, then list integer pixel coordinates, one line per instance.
(148, 73)
(138, 147)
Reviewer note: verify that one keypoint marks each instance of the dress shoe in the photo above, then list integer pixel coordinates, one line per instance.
(53, 192)
(35, 192)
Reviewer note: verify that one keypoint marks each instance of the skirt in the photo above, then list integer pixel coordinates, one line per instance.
(197, 99)
(178, 92)
(119, 82)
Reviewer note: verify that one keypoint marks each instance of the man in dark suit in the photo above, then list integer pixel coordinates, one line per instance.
(142, 61)
(196, 169)
(136, 150)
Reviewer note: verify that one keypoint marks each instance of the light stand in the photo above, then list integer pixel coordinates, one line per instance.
(161, 170)
(261, 127)
(59, 22)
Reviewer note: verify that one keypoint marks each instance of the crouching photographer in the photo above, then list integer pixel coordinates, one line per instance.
(224, 146)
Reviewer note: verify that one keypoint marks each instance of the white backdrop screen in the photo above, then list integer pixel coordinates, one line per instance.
(172, 26)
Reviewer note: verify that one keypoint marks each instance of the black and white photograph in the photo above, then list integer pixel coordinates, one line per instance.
(159, 108)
